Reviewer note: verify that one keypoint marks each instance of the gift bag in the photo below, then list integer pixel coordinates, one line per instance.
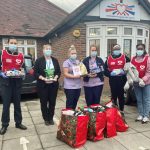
(83, 69)
(97, 122)
(121, 126)
(111, 118)
(73, 129)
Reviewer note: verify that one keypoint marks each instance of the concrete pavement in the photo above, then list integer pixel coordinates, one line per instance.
(43, 137)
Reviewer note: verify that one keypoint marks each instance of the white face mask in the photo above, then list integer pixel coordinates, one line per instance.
(73, 56)
(12, 47)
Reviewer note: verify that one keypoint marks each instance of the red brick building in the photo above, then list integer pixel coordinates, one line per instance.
(28, 21)
(103, 23)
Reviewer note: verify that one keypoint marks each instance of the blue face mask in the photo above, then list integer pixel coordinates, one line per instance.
(12, 47)
(73, 57)
(139, 52)
(116, 52)
(94, 53)
(47, 52)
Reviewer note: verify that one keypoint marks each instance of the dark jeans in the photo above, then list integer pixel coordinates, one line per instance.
(93, 94)
(72, 96)
(11, 92)
(117, 90)
(48, 96)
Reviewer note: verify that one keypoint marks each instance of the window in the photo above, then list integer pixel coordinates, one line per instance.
(112, 30)
(127, 31)
(94, 31)
(140, 32)
(139, 42)
(25, 46)
(146, 33)
(95, 42)
(127, 46)
(110, 44)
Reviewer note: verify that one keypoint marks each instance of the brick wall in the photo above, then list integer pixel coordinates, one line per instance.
(62, 43)
(1, 45)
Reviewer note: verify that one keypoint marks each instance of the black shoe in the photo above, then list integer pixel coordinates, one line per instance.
(51, 122)
(3, 130)
(47, 123)
(21, 126)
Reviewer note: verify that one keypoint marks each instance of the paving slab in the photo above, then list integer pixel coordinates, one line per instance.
(35, 113)
(25, 121)
(134, 141)
(105, 144)
(130, 109)
(147, 134)
(1, 142)
(42, 129)
(14, 144)
(138, 126)
(64, 147)
(13, 132)
(38, 120)
(50, 140)
(24, 115)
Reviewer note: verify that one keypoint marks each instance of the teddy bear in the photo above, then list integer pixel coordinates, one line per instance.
(132, 76)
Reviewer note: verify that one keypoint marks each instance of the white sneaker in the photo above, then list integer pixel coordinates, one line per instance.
(145, 120)
(139, 118)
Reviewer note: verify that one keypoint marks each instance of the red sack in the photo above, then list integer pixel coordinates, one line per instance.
(121, 126)
(73, 130)
(96, 126)
(111, 117)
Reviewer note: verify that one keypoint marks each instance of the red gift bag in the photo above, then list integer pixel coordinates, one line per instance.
(96, 126)
(73, 129)
(111, 118)
(97, 123)
(121, 126)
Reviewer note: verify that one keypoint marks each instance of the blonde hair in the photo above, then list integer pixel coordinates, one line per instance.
(46, 45)
(72, 48)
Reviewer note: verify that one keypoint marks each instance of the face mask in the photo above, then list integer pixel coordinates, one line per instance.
(48, 52)
(94, 53)
(116, 52)
(73, 57)
(12, 47)
(139, 52)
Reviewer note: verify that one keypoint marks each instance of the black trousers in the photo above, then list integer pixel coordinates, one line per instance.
(93, 94)
(11, 92)
(48, 95)
(72, 96)
(117, 90)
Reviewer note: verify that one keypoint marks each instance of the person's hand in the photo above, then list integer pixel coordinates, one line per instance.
(112, 73)
(55, 78)
(141, 83)
(91, 75)
(2, 74)
(77, 76)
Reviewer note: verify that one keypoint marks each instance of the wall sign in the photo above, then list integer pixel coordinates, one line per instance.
(120, 9)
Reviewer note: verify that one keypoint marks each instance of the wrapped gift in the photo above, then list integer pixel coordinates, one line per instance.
(73, 128)
(15, 73)
(83, 69)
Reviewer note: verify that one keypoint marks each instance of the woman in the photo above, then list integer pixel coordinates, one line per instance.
(114, 71)
(142, 63)
(72, 80)
(47, 67)
(93, 83)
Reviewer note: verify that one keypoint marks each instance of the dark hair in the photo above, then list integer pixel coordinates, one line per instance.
(143, 45)
(11, 39)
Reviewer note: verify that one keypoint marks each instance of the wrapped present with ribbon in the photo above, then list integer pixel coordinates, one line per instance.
(73, 128)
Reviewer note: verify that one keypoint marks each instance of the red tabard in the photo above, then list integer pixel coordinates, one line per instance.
(10, 61)
(140, 66)
(116, 63)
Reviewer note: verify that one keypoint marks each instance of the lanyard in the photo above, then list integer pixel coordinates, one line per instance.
(48, 64)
